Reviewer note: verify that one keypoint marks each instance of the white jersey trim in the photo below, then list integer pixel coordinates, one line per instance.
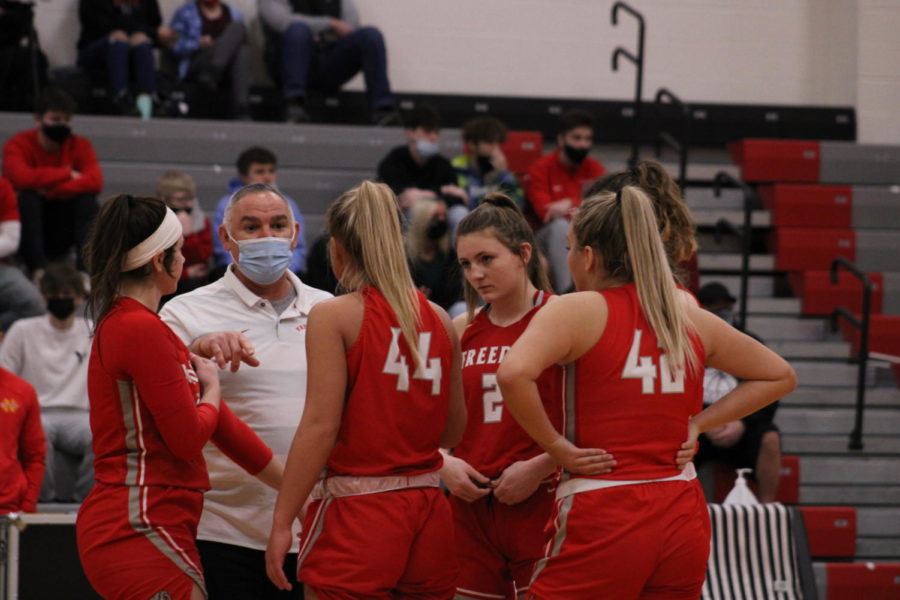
(578, 485)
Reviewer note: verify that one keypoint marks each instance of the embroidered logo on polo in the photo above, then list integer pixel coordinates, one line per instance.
(9, 405)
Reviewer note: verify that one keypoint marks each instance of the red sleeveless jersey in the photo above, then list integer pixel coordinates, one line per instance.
(493, 439)
(395, 413)
(622, 397)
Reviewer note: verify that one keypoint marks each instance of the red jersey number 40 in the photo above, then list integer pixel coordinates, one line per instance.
(395, 364)
(642, 367)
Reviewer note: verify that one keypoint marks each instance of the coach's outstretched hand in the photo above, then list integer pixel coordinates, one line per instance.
(583, 461)
(225, 347)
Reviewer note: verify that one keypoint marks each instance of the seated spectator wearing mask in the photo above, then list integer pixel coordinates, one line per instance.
(435, 270)
(753, 442)
(553, 188)
(256, 314)
(483, 170)
(51, 353)
(417, 169)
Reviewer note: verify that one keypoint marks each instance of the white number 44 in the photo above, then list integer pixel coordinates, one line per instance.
(395, 364)
(642, 367)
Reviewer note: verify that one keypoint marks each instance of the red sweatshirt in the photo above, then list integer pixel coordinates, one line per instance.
(22, 447)
(548, 180)
(147, 426)
(198, 247)
(29, 167)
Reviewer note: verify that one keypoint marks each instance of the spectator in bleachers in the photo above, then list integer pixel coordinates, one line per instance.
(417, 169)
(21, 445)
(553, 188)
(18, 296)
(318, 266)
(319, 44)
(57, 178)
(117, 39)
(753, 442)
(676, 224)
(482, 169)
(51, 353)
(179, 192)
(435, 270)
(212, 46)
(256, 165)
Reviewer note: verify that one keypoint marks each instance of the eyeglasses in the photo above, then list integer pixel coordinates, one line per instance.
(183, 209)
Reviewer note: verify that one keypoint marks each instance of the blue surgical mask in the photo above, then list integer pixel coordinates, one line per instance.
(427, 148)
(264, 260)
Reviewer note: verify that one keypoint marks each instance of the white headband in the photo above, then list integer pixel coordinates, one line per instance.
(166, 235)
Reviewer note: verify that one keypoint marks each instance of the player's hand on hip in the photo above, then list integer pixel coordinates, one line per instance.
(277, 548)
(582, 461)
(463, 480)
(688, 449)
(226, 347)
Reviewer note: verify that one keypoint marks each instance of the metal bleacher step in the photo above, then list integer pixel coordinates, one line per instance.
(830, 374)
(772, 306)
(809, 350)
(709, 217)
(816, 443)
(771, 328)
(835, 421)
(850, 493)
(814, 395)
(758, 286)
(880, 547)
(877, 522)
(850, 469)
(704, 198)
(715, 261)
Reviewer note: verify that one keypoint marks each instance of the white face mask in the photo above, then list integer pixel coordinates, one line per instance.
(264, 260)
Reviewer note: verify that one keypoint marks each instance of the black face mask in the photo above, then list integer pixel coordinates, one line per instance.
(436, 230)
(57, 133)
(485, 165)
(575, 155)
(61, 308)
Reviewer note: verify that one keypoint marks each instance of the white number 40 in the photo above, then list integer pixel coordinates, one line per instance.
(642, 367)
(396, 363)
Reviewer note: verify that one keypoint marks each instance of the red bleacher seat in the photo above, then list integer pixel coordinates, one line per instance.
(884, 334)
(830, 530)
(521, 149)
(868, 581)
(788, 484)
(808, 205)
(820, 297)
(777, 160)
(804, 249)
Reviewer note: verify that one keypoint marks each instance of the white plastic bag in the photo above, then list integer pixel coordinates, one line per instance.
(741, 493)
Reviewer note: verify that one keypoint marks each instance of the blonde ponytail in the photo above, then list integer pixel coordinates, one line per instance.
(366, 221)
(622, 228)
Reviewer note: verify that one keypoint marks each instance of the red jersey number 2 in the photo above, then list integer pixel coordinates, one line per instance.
(395, 364)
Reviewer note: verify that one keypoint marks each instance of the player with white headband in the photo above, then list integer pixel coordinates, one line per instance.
(153, 408)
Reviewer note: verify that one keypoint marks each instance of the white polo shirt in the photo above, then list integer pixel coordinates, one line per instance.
(269, 398)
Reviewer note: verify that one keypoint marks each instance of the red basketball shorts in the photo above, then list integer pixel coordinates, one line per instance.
(384, 545)
(137, 543)
(498, 545)
(642, 541)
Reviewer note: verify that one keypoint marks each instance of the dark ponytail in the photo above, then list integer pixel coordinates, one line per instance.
(499, 213)
(124, 222)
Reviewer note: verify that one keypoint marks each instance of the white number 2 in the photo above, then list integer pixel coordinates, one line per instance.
(395, 364)
(493, 401)
(642, 367)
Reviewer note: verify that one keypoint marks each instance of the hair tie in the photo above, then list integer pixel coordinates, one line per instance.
(619, 198)
(167, 234)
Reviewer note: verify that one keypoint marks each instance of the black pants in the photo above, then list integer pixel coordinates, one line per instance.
(51, 227)
(238, 573)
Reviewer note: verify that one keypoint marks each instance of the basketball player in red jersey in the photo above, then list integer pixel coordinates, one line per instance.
(153, 407)
(634, 355)
(383, 395)
(501, 482)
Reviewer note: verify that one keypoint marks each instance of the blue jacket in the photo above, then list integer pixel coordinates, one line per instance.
(189, 26)
(221, 257)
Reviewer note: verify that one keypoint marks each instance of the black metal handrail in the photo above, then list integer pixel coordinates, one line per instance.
(862, 355)
(679, 145)
(723, 179)
(639, 63)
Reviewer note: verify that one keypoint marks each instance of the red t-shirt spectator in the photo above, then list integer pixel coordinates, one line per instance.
(549, 180)
(22, 445)
(29, 167)
(198, 247)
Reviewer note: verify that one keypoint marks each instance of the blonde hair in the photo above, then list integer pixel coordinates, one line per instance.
(173, 182)
(366, 222)
(505, 221)
(622, 230)
(420, 215)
